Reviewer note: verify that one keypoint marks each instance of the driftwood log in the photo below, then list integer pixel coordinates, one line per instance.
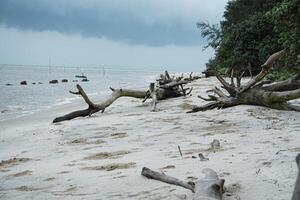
(255, 91)
(167, 87)
(208, 73)
(296, 193)
(208, 188)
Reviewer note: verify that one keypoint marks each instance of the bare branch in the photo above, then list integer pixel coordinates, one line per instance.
(239, 78)
(230, 89)
(76, 93)
(232, 77)
(265, 70)
(205, 99)
(173, 84)
(261, 83)
(219, 92)
(289, 84)
(209, 106)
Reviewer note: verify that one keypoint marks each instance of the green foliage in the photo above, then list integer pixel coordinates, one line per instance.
(212, 33)
(280, 74)
(252, 30)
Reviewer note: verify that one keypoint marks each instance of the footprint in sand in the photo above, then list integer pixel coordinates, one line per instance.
(71, 189)
(111, 167)
(118, 135)
(49, 179)
(4, 164)
(107, 155)
(23, 173)
(82, 141)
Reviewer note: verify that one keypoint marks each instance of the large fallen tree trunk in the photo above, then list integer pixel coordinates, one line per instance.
(254, 92)
(208, 188)
(167, 88)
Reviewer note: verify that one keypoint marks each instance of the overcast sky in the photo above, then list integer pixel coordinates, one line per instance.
(152, 34)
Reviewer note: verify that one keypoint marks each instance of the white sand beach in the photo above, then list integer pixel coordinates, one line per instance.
(101, 157)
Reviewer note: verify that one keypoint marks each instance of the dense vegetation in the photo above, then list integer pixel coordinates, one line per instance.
(251, 31)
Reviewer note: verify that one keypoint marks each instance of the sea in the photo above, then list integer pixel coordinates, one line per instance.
(17, 100)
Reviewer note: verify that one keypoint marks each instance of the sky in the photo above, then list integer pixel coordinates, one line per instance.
(127, 34)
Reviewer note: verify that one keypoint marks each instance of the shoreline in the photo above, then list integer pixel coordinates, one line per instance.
(102, 156)
(24, 100)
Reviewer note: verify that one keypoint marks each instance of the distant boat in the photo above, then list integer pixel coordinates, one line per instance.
(80, 76)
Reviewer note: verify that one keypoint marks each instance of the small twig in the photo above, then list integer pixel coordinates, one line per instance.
(179, 150)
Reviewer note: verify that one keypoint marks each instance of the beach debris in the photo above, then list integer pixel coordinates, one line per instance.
(202, 158)
(210, 187)
(152, 90)
(23, 83)
(40, 83)
(53, 81)
(75, 81)
(296, 193)
(209, 72)
(191, 77)
(165, 88)
(179, 150)
(168, 167)
(33, 83)
(8, 84)
(215, 144)
(255, 91)
(64, 80)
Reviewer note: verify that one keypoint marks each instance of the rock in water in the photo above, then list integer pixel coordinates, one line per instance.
(23, 83)
(53, 81)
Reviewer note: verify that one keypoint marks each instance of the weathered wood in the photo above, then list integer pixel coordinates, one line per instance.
(93, 108)
(168, 88)
(265, 69)
(173, 84)
(289, 84)
(153, 92)
(296, 193)
(165, 178)
(254, 92)
(208, 188)
(209, 73)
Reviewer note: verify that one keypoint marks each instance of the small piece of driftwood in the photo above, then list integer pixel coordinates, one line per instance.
(208, 188)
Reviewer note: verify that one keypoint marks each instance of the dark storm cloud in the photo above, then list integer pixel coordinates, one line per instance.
(154, 23)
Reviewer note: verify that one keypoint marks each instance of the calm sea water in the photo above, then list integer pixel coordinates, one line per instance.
(18, 100)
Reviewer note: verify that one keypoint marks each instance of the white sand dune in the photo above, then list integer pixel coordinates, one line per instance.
(101, 157)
